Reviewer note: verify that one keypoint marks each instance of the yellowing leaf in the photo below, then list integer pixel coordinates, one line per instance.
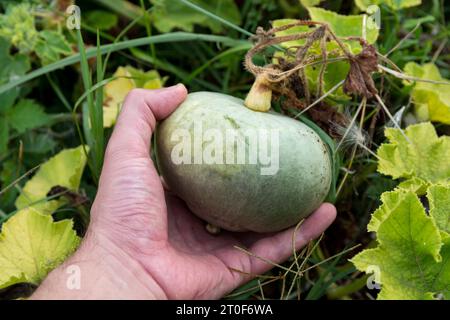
(31, 245)
(64, 169)
(394, 4)
(412, 258)
(425, 157)
(153, 84)
(116, 90)
(17, 26)
(439, 198)
(431, 101)
(391, 201)
(140, 77)
(310, 3)
(290, 31)
(415, 184)
(344, 26)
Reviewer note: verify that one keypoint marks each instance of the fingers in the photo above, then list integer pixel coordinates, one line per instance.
(277, 248)
(130, 200)
(137, 119)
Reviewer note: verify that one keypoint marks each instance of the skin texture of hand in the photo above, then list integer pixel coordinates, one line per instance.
(143, 242)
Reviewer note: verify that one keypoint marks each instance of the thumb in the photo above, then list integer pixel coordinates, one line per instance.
(130, 196)
(137, 120)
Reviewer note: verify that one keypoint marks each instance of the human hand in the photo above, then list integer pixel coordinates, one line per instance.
(143, 242)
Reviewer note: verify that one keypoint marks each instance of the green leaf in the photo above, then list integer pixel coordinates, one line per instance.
(12, 66)
(9, 172)
(439, 199)
(431, 101)
(17, 26)
(56, 41)
(7, 100)
(26, 115)
(412, 257)
(394, 4)
(411, 23)
(425, 156)
(334, 73)
(38, 143)
(100, 19)
(64, 169)
(170, 14)
(51, 46)
(4, 136)
(31, 245)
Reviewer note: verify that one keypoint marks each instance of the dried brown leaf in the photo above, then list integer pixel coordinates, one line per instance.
(359, 80)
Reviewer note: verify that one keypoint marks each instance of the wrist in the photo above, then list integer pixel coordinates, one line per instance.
(98, 270)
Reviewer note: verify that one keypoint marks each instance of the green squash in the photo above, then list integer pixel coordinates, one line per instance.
(221, 159)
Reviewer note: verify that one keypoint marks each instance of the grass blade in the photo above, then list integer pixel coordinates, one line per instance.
(97, 120)
(94, 140)
(92, 52)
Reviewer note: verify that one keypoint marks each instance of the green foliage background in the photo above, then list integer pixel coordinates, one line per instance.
(55, 84)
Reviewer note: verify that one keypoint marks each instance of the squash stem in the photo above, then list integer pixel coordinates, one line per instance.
(260, 96)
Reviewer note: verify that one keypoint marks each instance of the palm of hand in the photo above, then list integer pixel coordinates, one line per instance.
(203, 265)
(183, 258)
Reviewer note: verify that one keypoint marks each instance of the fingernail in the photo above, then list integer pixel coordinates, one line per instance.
(176, 86)
(179, 86)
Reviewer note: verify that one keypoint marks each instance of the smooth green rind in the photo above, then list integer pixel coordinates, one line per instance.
(238, 197)
(31, 245)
